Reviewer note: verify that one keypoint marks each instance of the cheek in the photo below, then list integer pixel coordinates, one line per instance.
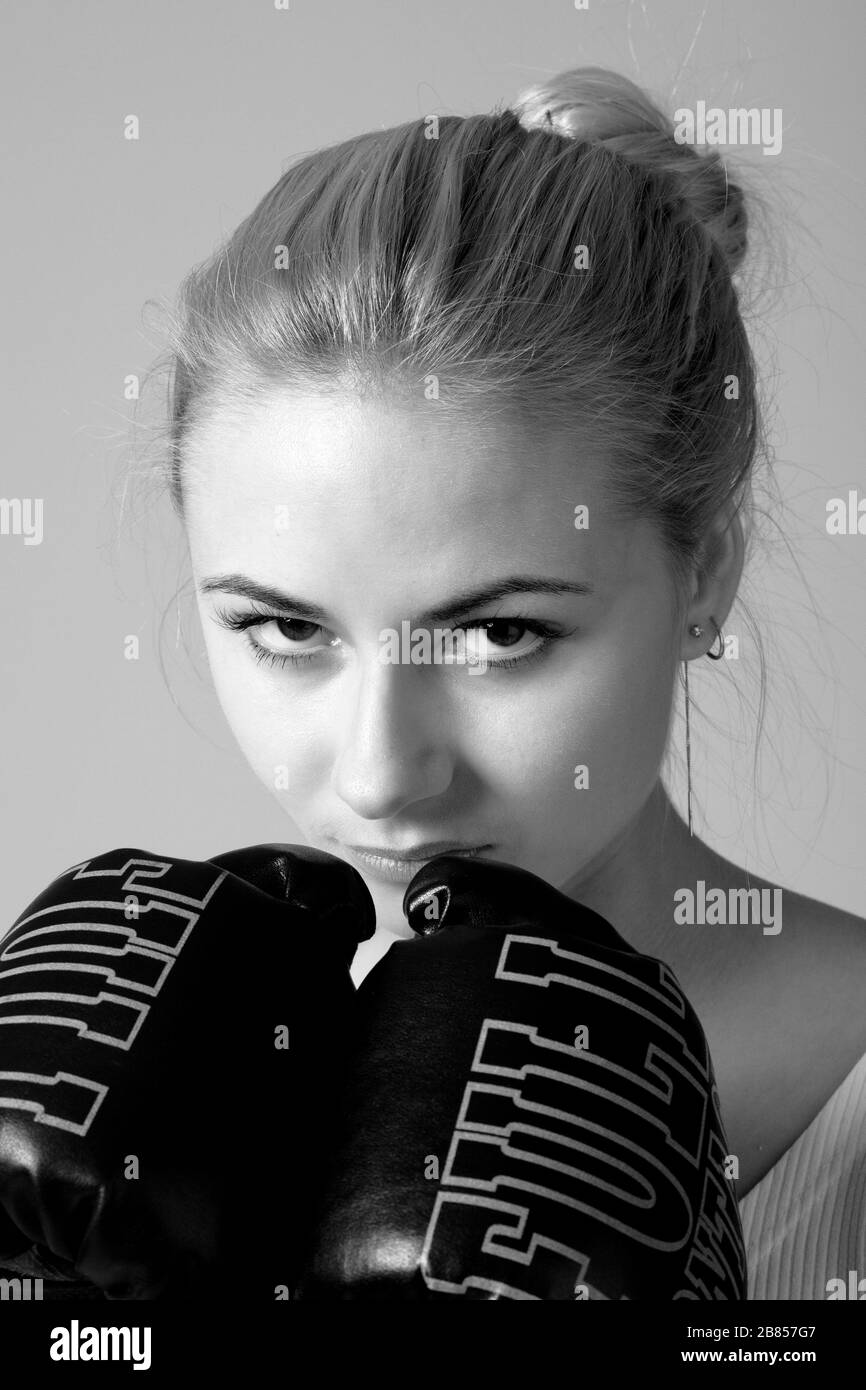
(609, 713)
(265, 724)
(287, 740)
(239, 697)
(631, 716)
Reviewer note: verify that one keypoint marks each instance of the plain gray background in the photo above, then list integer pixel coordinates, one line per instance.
(99, 751)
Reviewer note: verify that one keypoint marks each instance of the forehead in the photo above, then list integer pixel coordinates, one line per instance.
(333, 487)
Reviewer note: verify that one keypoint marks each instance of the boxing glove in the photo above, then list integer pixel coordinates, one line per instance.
(172, 1035)
(532, 1113)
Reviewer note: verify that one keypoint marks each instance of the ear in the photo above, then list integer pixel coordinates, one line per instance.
(715, 580)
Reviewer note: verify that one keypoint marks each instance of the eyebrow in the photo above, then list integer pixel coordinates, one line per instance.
(459, 605)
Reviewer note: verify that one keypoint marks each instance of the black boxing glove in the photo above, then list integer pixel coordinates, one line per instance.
(172, 1034)
(532, 1113)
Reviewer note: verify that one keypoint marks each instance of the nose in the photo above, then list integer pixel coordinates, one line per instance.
(392, 749)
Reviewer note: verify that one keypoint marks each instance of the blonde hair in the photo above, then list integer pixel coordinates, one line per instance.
(444, 247)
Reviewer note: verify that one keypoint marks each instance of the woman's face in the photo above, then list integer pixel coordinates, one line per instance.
(367, 516)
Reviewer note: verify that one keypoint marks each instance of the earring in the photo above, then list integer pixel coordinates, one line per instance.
(697, 631)
(720, 638)
(688, 747)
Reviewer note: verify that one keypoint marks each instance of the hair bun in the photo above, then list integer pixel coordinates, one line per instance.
(603, 107)
(588, 104)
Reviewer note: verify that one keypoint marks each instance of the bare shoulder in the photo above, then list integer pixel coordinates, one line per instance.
(819, 957)
(811, 982)
(831, 934)
(790, 982)
(790, 1023)
(799, 926)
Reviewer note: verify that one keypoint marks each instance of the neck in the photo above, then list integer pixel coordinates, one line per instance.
(633, 887)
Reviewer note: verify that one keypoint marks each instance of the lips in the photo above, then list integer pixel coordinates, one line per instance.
(420, 853)
(389, 867)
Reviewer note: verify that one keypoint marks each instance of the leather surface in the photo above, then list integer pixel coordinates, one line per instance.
(493, 1149)
(153, 1136)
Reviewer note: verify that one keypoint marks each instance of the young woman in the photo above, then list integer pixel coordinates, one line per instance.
(475, 374)
(489, 376)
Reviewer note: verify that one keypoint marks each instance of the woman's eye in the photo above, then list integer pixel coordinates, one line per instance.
(288, 641)
(501, 632)
(278, 641)
(489, 636)
(286, 634)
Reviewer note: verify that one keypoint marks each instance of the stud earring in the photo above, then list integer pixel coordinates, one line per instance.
(697, 631)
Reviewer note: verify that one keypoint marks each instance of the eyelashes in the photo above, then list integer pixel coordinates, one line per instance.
(247, 622)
